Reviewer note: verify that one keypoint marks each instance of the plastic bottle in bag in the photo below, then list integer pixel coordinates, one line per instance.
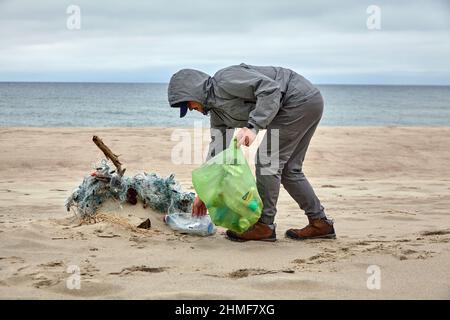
(228, 188)
(186, 223)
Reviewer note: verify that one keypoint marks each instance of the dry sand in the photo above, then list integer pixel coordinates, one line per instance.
(387, 188)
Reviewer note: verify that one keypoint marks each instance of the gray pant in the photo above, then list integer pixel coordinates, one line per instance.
(296, 126)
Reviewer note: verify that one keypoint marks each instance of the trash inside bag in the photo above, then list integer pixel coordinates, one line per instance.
(226, 185)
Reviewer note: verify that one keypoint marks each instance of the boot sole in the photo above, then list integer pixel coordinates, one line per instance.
(244, 240)
(327, 236)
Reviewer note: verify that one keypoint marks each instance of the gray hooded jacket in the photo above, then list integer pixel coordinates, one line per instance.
(239, 95)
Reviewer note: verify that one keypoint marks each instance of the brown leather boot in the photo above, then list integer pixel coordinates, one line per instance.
(258, 232)
(316, 229)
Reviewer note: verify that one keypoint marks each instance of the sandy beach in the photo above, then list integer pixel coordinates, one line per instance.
(387, 188)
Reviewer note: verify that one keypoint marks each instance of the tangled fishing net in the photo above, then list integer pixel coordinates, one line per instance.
(161, 194)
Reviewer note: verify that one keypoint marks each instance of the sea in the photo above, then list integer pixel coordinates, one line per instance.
(40, 104)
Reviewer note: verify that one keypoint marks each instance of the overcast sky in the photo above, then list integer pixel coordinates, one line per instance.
(146, 41)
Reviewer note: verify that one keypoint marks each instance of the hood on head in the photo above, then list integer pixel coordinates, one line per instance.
(188, 85)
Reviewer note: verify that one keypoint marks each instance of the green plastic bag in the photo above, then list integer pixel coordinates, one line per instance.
(226, 185)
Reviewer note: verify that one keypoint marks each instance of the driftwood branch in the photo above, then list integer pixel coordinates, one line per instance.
(109, 155)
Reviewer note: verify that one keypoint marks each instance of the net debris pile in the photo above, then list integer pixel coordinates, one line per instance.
(161, 194)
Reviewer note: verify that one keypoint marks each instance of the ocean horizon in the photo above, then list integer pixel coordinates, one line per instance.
(140, 104)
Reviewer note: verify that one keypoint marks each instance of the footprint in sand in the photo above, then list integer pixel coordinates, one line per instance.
(133, 269)
(436, 236)
(45, 277)
(45, 282)
(12, 259)
(321, 258)
(37, 279)
(52, 264)
(88, 269)
(413, 254)
(436, 232)
(243, 273)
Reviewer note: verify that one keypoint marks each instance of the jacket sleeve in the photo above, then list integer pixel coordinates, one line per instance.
(250, 84)
(220, 136)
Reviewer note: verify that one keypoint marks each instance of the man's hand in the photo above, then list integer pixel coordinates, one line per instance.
(198, 207)
(245, 136)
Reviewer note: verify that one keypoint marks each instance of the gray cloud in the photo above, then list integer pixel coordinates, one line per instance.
(147, 41)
